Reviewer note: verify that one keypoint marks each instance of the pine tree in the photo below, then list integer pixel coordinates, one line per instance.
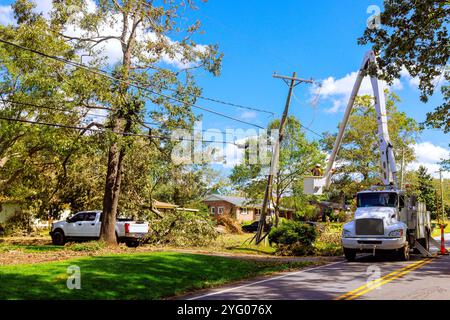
(426, 191)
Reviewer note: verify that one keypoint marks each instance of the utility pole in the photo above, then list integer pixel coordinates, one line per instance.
(441, 179)
(403, 169)
(292, 82)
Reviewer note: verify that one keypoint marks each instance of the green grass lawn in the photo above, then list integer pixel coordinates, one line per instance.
(437, 230)
(29, 248)
(130, 276)
(240, 243)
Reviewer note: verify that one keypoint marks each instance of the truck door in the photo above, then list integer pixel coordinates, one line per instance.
(90, 227)
(74, 225)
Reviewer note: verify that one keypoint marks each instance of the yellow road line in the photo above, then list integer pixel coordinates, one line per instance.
(401, 274)
(365, 286)
(383, 280)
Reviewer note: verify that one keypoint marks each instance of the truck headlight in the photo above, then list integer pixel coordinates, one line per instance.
(346, 233)
(396, 234)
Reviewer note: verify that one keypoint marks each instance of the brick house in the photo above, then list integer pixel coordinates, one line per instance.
(241, 209)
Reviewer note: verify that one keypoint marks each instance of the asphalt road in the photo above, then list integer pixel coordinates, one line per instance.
(368, 278)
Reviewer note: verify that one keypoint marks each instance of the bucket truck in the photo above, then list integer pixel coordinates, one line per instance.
(387, 218)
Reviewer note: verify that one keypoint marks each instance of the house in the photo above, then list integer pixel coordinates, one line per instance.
(241, 209)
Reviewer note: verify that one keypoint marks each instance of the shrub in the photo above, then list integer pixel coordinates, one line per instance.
(18, 224)
(92, 246)
(182, 228)
(342, 216)
(329, 241)
(293, 238)
(307, 213)
(231, 225)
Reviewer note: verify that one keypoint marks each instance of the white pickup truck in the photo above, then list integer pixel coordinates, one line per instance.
(85, 226)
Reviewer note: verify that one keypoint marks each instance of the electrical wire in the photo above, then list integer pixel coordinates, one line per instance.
(130, 83)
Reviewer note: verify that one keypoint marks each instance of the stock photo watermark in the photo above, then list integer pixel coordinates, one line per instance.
(374, 21)
(74, 279)
(227, 147)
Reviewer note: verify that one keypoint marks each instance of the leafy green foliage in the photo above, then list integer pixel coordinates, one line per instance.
(425, 190)
(293, 238)
(48, 169)
(297, 157)
(183, 228)
(414, 35)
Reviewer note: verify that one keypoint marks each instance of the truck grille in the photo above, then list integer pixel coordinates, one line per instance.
(369, 227)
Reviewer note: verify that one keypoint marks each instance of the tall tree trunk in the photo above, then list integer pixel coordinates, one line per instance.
(110, 200)
(117, 151)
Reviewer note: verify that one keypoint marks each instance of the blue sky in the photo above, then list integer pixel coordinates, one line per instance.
(317, 39)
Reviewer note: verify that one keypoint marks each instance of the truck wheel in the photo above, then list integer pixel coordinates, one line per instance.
(404, 253)
(58, 238)
(350, 254)
(132, 244)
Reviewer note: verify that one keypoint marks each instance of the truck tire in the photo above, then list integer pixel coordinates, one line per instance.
(350, 254)
(404, 253)
(58, 238)
(132, 244)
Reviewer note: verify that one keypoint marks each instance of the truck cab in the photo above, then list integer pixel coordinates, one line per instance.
(386, 220)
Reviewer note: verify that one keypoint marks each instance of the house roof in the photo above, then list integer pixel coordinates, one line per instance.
(237, 201)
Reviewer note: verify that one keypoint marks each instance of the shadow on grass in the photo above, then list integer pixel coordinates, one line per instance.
(136, 277)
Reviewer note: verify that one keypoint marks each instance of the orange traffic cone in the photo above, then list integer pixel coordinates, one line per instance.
(443, 250)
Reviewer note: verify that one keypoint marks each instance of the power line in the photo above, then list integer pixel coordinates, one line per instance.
(144, 123)
(207, 98)
(130, 83)
(54, 108)
(161, 137)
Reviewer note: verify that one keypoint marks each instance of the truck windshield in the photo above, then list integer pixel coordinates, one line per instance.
(377, 199)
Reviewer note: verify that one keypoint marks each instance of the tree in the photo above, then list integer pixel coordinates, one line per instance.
(414, 36)
(297, 157)
(35, 158)
(358, 163)
(426, 191)
(143, 31)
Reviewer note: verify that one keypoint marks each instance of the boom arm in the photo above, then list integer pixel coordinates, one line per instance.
(388, 165)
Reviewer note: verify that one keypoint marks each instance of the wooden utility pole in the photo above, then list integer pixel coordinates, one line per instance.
(441, 179)
(292, 82)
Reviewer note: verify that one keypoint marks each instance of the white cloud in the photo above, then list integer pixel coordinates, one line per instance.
(6, 15)
(248, 115)
(414, 82)
(111, 49)
(338, 91)
(429, 156)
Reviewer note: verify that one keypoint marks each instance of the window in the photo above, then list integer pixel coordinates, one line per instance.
(90, 216)
(244, 211)
(220, 210)
(213, 210)
(77, 217)
(377, 199)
